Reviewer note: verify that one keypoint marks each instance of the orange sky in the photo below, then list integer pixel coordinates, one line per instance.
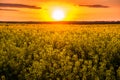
(75, 10)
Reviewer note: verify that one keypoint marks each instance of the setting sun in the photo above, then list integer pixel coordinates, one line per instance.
(58, 14)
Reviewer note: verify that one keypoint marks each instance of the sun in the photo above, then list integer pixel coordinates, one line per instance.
(58, 14)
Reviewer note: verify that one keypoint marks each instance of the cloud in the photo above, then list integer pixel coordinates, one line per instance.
(9, 10)
(18, 6)
(95, 6)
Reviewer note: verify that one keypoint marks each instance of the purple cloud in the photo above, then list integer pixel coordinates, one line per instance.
(18, 6)
(95, 6)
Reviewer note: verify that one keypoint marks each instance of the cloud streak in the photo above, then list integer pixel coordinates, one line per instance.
(95, 6)
(8, 10)
(19, 6)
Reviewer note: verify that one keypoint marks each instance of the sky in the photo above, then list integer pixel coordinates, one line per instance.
(75, 10)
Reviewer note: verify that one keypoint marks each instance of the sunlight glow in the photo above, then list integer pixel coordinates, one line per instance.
(58, 14)
(59, 11)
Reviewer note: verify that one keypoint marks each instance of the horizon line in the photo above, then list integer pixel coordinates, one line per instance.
(63, 22)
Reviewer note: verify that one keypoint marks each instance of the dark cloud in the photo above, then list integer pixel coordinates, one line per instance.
(9, 10)
(95, 6)
(18, 6)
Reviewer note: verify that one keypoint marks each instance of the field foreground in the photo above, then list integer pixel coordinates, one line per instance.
(59, 52)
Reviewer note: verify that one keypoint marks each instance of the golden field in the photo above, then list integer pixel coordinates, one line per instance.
(59, 51)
